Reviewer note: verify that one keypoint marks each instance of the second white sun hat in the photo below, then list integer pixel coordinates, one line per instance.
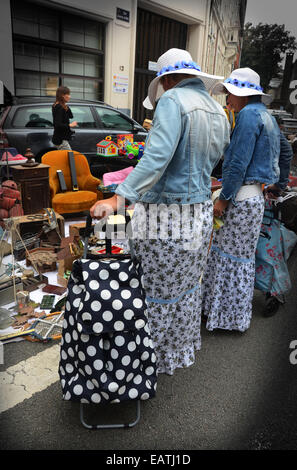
(242, 82)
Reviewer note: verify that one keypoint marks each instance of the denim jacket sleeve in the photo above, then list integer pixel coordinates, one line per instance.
(285, 157)
(159, 150)
(239, 153)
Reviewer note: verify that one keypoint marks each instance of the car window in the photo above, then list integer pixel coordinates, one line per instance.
(33, 116)
(113, 120)
(84, 117)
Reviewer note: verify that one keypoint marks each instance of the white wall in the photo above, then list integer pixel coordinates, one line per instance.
(120, 44)
(187, 11)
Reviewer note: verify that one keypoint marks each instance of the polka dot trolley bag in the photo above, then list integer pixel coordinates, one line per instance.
(107, 354)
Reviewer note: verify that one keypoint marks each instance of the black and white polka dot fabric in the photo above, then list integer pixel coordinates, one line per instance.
(107, 354)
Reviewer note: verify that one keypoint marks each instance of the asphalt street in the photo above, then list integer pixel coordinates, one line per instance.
(241, 394)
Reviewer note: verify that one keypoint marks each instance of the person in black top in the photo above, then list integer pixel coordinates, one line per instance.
(61, 118)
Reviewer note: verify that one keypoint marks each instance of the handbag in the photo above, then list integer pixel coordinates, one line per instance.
(107, 355)
(274, 247)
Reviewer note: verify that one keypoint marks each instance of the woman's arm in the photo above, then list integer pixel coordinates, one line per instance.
(285, 157)
(240, 152)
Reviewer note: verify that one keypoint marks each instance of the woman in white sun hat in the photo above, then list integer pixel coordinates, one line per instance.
(251, 160)
(173, 214)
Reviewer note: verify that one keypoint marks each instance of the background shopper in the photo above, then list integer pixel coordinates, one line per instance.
(61, 119)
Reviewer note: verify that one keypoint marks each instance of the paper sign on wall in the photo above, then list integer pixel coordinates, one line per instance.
(152, 66)
(120, 84)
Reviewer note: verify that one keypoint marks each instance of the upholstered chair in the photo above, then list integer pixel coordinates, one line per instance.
(71, 201)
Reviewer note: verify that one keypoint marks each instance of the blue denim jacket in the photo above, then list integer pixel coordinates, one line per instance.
(190, 133)
(254, 150)
(285, 157)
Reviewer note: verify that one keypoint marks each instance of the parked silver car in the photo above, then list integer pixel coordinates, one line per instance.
(28, 123)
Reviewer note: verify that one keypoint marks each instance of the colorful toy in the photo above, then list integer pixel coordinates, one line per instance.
(125, 147)
(107, 148)
(122, 141)
(141, 149)
(135, 150)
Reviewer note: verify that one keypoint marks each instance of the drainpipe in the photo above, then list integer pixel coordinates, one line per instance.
(207, 25)
(242, 13)
(241, 42)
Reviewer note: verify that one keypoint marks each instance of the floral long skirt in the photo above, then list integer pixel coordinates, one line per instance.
(172, 243)
(228, 281)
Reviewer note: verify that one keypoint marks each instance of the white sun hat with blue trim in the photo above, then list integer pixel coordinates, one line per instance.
(176, 61)
(242, 82)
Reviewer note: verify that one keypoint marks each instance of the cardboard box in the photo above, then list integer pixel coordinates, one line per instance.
(63, 266)
(8, 290)
(76, 229)
(62, 281)
(28, 225)
(42, 259)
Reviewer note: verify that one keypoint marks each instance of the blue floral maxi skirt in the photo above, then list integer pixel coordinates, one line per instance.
(172, 243)
(228, 281)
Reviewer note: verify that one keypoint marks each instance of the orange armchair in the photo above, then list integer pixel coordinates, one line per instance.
(71, 201)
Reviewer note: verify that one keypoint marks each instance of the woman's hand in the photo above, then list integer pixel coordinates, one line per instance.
(272, 191)
(219, 207)
(106, 207)
(73, 124)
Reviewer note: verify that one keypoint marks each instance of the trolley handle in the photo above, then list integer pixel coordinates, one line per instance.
(108, 246)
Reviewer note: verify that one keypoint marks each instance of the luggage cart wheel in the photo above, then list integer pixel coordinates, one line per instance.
(109, 426)
(272, 304)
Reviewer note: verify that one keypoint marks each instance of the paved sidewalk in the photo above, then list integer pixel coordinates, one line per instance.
(23, 380)
(240, 394)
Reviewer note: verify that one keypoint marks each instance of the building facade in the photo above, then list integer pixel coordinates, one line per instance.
(107, 49)
(283, 88)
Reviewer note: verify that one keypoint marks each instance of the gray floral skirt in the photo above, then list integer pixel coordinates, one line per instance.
(172, 243)
(228, 281)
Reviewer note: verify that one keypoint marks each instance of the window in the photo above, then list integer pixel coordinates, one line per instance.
(52, 48)
(83, 88)
(37, 58)
(110, 119)
(35, 21)
(33, 116)
(84, 117)
(82, 32)
(35, 85)
(77, 63)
